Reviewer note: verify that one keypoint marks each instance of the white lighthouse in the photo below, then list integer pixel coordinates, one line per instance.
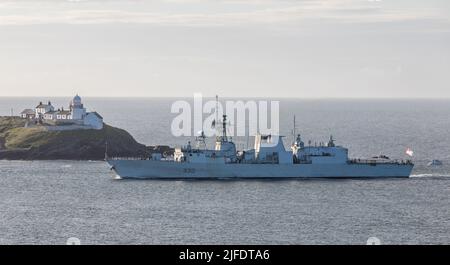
(62, 119)
(76, 108)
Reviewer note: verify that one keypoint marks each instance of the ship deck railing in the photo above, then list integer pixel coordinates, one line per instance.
(375, 162)
(351, 161)
(136, 158)
(127, 158)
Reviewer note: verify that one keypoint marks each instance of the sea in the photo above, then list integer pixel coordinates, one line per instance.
(47, 202)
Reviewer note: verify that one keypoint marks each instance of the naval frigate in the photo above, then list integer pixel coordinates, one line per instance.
(268, 159)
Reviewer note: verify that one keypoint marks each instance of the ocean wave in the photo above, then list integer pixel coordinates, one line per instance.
(430, 175)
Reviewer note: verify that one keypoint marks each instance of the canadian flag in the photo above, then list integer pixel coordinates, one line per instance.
(409, 152)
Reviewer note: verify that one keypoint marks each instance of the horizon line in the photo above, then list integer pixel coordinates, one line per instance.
(244, 97)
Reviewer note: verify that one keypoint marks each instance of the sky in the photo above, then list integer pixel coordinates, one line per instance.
(233, 48)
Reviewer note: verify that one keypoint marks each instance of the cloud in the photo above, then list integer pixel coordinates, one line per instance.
(272, 12)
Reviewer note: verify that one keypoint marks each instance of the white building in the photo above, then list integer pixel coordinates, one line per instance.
(94, 120)
(41, 109)
(28, 114)
(50, 115)
(64, 115)
(76, 114)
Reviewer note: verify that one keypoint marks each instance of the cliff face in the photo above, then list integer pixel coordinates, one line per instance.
(17, 142)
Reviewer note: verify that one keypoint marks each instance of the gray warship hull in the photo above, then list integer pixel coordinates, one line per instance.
(151, 169)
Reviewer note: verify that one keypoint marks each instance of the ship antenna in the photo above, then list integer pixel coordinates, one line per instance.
(106, 150)
(224, 128)
(217, 108)
(248, 138)
(217, 112)
(293, 131)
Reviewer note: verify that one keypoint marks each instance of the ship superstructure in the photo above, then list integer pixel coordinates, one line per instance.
(268, 159)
